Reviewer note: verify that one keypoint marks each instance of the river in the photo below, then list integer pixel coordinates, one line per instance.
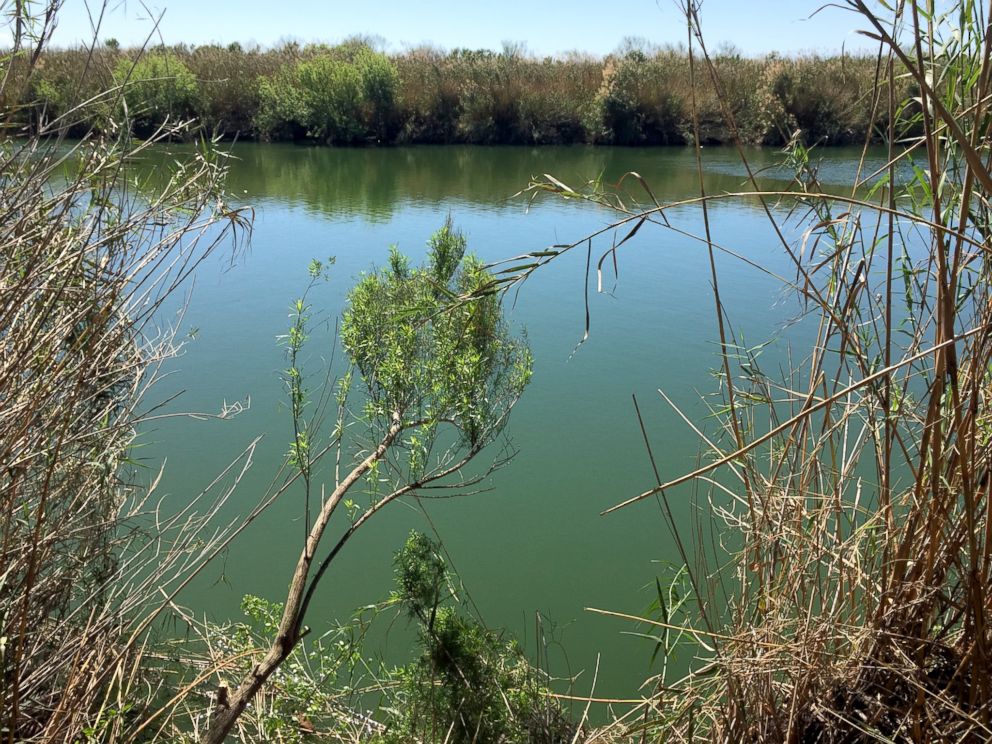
(534, 542)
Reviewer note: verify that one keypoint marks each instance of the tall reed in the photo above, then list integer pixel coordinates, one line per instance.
(87, 558)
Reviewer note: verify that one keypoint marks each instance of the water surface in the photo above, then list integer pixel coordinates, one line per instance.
(534, 542)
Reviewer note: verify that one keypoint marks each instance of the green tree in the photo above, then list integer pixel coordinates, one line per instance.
(333, 97)
(158, 87)
(439, 373)
(282, 110)
(379, 81)
(331, 91)
(635, 104)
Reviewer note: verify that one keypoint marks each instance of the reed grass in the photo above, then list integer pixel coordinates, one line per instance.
(88, 558)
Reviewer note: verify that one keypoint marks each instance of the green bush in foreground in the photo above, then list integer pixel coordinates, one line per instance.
(438, 373)
(469, 683)
(463, 682)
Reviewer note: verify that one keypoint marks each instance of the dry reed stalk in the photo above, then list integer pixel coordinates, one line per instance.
(87, 258)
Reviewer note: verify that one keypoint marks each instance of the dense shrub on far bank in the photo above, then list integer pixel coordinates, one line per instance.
(332, 100)
(158, 88)
(352, 94)
(639, 101)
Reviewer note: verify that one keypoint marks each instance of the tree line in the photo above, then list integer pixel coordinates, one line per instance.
(353, 94)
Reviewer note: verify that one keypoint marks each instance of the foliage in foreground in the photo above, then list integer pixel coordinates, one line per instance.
(465, 682)
(469, 684)
(86, 262)
(437, 380)
(314, 695)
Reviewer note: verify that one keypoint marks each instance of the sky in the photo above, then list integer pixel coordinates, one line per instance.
(544, 26)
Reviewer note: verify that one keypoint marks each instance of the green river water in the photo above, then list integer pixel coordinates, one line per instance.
(533, 543)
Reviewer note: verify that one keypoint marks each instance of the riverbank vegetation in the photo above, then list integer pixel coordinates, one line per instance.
(434, 384)
(92, 557)
(351, 94)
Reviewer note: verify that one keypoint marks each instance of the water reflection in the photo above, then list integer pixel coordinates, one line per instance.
(376, 182)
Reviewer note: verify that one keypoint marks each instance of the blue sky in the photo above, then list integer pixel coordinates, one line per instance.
(755, 26)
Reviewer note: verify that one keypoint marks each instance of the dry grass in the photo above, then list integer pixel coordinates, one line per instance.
(86, 557)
